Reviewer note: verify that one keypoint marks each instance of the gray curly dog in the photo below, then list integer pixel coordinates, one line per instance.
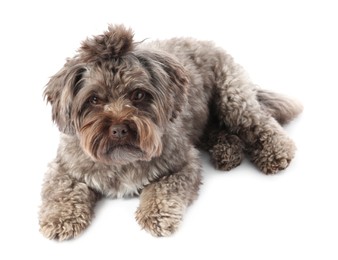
(131, 116)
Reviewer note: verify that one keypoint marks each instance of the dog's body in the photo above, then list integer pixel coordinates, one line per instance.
(131, 116)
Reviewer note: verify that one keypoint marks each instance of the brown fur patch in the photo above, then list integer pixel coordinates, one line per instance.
(113, 43)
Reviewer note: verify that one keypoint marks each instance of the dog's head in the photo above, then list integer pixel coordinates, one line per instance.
(117, 97)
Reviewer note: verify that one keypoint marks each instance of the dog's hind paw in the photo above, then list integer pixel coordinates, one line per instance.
(226, 157)
(274, 156)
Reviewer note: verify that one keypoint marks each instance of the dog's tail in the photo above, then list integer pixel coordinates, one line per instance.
(282, 108)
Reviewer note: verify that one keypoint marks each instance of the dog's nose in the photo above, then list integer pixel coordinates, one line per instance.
(119, 131)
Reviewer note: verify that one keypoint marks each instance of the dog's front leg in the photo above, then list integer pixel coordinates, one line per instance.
(163, 203)
(67, 206)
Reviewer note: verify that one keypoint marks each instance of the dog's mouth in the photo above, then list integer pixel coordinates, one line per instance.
(123, 148)
(124, 153)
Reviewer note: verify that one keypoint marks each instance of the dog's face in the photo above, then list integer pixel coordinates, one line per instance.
(117, 98)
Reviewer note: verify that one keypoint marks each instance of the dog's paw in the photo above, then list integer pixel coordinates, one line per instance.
(159, 225)
(274, 156)
(61, 230)
(62, 225)
(226, 150)
(160, 219)
(226, 157)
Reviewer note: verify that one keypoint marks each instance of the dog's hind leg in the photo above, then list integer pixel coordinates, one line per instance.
(239, 108)
(67, 206)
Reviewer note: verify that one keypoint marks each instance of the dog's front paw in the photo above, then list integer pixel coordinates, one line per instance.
(61, 229)
(62, 225)
(159, 225)
(274, 155)
(160, 219)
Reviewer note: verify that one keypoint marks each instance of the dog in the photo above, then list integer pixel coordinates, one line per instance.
(132, 115)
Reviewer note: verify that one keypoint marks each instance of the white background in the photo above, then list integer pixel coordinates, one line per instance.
(287, 46)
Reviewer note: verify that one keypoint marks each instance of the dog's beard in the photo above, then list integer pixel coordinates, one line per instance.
(143, 143)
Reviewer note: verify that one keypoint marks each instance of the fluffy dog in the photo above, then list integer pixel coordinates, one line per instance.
(131, 115)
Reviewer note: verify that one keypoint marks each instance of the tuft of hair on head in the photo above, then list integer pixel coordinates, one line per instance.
(113, 43)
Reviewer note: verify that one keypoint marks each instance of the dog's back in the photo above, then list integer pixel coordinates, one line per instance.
(209, 67)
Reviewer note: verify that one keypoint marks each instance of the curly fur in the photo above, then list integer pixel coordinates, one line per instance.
(168, 97)
(112, 44)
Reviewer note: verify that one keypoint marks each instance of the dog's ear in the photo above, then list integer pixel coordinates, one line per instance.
(113, 43)
(60, 91)
(169, 76)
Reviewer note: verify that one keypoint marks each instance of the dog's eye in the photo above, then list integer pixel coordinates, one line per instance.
(94, 100)
(137, 95)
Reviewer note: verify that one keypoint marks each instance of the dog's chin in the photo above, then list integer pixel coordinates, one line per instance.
(124, 154)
